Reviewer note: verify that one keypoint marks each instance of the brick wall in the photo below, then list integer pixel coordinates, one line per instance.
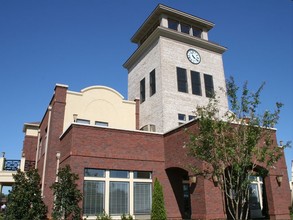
(30, 147)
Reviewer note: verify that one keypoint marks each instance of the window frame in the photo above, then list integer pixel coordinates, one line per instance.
(131, 181)
(195, 83)
(82, 121)
(142, 90)
(182, 82)
(152, 82)
(173, 24)
(209, 86)
(101, 124)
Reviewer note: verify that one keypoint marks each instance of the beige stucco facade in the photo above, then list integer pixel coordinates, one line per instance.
(99, 104)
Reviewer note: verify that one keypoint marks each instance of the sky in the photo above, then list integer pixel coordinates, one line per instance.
(82, 43)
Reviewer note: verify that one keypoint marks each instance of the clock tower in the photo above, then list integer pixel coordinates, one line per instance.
(174, 69)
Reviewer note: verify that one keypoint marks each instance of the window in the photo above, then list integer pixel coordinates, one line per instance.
(195, 83)
(209, 85)
(142, 175)
(94, 197)
(119, 198)
(196, 32)
(119, 174)
(191, 117)
(185, 28)
(256, 197)
(94, 172)
(152, 82)
(101, 123)
(142, 198)
(117, 192)
(142, 90)
(182, 80)
(83, 121)
(172, 24)
(181, 117)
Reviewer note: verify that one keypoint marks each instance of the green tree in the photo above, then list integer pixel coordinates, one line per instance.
(67, 195)
(235, 145)
(158, 204)
(24, 200)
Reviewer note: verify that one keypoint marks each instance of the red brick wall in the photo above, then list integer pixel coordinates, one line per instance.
(206, 199)
(93, 147)
(30, 147)
(52, 130)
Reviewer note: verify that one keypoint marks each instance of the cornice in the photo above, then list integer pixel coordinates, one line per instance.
(174, 35)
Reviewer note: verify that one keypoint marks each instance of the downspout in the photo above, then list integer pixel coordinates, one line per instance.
(38, 146)
(46, 150)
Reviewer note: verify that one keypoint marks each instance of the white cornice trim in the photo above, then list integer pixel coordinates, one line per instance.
(175, 35)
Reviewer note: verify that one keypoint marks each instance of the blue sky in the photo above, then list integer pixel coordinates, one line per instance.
(85, 42)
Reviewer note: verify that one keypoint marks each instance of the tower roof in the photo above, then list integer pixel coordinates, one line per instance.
(175, 14)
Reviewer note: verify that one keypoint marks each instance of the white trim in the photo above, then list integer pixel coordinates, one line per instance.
(107, 179)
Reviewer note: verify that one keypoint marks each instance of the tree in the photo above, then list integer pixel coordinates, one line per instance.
(158, 204)
(233, 147)
(24, 200)
(67, 196)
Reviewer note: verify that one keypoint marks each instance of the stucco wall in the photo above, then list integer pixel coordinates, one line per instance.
(100, 103)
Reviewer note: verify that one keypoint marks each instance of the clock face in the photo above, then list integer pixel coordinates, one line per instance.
(193, 56)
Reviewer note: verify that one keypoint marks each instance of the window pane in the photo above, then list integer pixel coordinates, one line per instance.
(209, 85)
(142, 90)
(172, 24)
(185, 28)
(182, 80)
(101, 123)
(142, 198)
(82, 121)
(93, 202)
(142, 175)
(94, 172)
(119, 174)
(181, 117)
(119, 198)
(191, 117)
(195, 83)
(196, 32)
(152, 82)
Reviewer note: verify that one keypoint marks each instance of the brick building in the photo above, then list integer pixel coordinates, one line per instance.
(118, 147)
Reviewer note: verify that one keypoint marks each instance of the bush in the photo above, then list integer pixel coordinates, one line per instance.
(158, 205)
(104, 216)
(126, 217)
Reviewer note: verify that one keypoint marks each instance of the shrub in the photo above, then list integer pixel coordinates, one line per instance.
(104, 216)
(158, 205)
(126, 217)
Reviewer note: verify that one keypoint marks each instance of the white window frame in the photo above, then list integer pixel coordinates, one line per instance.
(131, 180)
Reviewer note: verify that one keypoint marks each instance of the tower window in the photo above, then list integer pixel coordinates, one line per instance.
(195, 83)
(182, 80)
(172, 24)
(181, 117)
(185, 28)
(152, 82)
(209, 85)
(142, 90)
(196, 32)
